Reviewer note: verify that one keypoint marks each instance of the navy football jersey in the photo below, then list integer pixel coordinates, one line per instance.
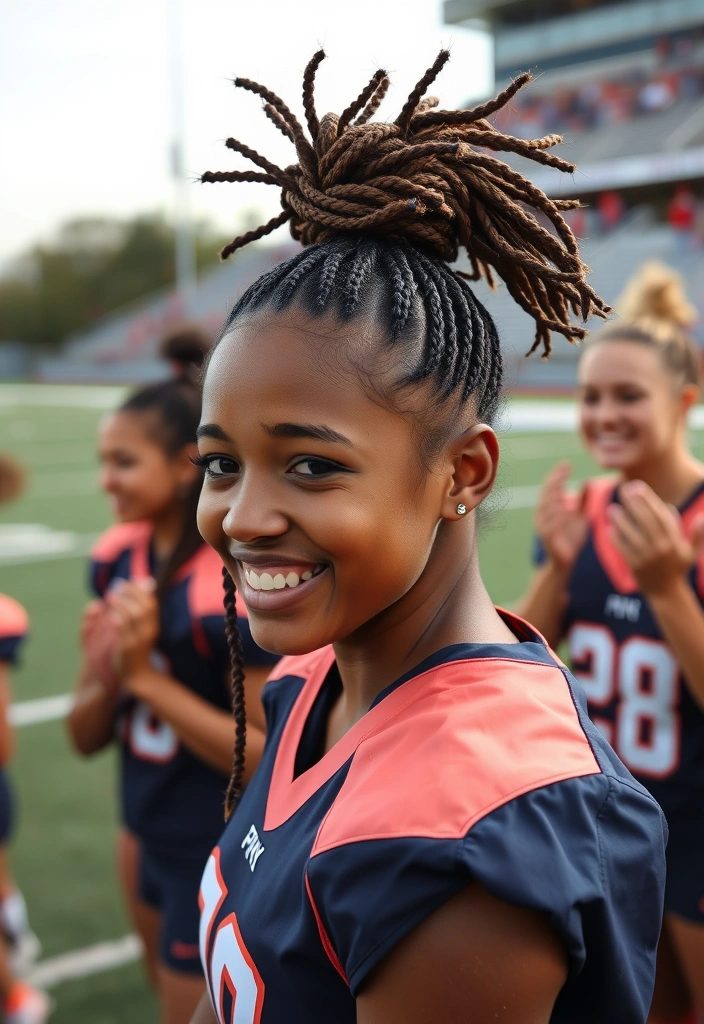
(170, 798)
(14, 624)
(635, 691)
(479, 765)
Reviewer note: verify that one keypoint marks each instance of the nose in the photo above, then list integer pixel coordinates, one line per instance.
(253, 513)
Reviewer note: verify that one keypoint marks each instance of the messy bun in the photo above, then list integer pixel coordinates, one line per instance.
(185, 347)
(653, 309)
(426, 180)
(656, 293)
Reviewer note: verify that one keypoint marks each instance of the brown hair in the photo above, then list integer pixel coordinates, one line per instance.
(13, 478)
(186, 346)
(654, 311)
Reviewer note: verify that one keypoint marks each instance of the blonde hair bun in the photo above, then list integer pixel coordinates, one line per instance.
(656, 294)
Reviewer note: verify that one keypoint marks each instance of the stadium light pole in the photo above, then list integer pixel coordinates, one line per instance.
(185, 263)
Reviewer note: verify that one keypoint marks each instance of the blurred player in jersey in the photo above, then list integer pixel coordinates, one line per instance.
(622, 580)
(156, 673)
(436, 831)
(19, 946)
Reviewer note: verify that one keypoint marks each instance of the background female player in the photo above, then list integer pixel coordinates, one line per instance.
(19, 1002)
(156, 674)
(622, 580)
(435, 824)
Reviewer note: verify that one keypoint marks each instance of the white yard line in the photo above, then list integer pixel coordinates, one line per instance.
(83, 396)
(43, 709)
(81, 963)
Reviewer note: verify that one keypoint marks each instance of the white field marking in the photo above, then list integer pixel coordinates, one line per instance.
(22, 543)
(42, 709)
(521, 416)
(81, 963)
(81, 396)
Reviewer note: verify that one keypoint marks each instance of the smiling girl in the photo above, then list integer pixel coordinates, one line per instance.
(621, 580)
(436, 830)
(156, 675)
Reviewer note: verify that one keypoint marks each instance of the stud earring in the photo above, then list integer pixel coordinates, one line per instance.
(461, 509)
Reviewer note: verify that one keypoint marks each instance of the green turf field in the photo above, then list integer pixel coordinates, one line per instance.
(63, 852)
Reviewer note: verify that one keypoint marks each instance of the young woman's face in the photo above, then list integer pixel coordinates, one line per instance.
(141, 479)
(314, 496)
(630, 409)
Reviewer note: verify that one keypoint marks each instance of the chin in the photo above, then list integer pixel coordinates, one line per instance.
(283, 643)
(613, 461)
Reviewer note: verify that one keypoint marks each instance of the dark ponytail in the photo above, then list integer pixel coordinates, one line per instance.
(175, 406)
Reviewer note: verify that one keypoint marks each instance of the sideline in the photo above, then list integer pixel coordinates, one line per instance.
(81, 963)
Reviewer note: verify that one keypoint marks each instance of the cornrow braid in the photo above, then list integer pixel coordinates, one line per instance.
(234, 643)
(429, 179)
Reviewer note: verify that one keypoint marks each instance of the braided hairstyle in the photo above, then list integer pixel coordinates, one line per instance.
(382, 210)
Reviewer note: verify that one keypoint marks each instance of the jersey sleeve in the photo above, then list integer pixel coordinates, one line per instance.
(14, 625)
(588, 852)
(107, 550)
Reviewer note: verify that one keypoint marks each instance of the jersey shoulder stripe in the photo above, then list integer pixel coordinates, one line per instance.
(14, 621)
(509, 726)
(119, 538)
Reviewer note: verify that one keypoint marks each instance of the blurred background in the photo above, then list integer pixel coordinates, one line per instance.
(110, 112)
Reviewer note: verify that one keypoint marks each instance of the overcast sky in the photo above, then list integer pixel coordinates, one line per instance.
(85, 100)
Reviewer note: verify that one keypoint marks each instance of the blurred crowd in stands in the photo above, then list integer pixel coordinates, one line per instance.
(598, 103)
(606, 211)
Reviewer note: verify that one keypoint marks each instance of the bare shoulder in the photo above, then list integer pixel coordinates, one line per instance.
(503, 961)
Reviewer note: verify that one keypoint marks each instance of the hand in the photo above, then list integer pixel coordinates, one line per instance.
(98, 639)
(560, 520)
(649, 535)
(134, 613)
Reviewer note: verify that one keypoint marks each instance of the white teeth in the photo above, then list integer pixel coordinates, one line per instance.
(253, 579)
(267, 581)
(278, 582)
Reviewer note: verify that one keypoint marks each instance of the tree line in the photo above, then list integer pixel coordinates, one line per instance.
(93, 267)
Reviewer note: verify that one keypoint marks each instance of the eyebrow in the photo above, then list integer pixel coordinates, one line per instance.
(307, 430)
(211, 430)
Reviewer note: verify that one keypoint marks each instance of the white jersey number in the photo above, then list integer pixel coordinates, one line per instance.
(644, 675)
(149, 738)
(229, 969)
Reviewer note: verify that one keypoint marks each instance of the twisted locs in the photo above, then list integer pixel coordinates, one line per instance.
(234, 643)
(431, 180)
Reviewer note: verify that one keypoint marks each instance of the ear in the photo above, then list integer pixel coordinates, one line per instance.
(475, 462)
(690, 396)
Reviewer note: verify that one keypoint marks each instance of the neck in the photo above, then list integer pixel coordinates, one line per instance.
(672, 476)
(448, 604)
(167, 530)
